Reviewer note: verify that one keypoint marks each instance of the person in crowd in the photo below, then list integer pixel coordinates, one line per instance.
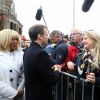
(49, 47)
(65, 38)
(59, 52)
(24, 45)
(55, 38)
(88, 66)
(74, 46)
(40, 73)
(11, 66)
(57, 57)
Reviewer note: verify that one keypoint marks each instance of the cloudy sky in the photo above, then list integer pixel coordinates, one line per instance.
(58, 14)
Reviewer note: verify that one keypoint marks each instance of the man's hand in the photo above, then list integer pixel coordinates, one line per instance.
(57, 67)
(70, 65)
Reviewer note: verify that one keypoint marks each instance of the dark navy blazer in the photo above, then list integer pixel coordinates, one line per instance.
(39, 76)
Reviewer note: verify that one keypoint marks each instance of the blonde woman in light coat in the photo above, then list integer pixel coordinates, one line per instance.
(11, 66)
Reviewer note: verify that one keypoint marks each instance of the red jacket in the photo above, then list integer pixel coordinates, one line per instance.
(72, 52)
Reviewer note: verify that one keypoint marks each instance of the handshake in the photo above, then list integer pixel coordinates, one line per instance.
(57, 67)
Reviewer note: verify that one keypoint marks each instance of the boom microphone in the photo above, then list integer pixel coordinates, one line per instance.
(38, 14)
(87, 5)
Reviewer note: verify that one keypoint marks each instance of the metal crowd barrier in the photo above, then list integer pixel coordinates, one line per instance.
(70, 95)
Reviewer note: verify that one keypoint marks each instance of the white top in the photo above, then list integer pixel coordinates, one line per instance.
(11, 71)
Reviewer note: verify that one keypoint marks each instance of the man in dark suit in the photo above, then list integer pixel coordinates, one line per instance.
(40, 76)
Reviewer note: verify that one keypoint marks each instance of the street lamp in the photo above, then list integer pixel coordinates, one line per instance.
(73, 13)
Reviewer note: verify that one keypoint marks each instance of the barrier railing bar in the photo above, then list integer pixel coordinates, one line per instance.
(61, 87)
(92, 92)
(74, 88)
(73, 76)
(83, 91)
(67, 86)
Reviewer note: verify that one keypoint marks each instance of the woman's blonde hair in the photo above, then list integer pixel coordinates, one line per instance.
(6, 37)
(96, 50)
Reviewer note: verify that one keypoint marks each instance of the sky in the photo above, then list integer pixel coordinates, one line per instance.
(58, 15)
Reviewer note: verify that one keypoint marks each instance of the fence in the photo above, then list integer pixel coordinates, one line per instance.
(68, 80)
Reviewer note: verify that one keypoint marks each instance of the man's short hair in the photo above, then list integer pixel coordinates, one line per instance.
(35, 30)
(76, 30)
(55, 32)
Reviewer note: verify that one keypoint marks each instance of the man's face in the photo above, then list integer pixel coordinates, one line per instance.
(44, 37)
(75, 37)
(56, 38)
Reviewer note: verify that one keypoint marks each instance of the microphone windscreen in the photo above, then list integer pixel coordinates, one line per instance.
(87, 5)
(38, 14)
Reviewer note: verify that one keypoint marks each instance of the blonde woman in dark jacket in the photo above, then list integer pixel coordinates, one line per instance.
(89, 66)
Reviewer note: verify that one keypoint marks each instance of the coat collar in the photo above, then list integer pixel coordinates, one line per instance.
(7, 52)
(35, 43)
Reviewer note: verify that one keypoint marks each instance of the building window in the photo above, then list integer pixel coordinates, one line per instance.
(11, 25)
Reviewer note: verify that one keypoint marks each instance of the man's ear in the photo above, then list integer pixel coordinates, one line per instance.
(39, 36)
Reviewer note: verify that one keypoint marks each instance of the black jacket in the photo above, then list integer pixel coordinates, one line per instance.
(39, 76)
(59, 53)
(84, 64)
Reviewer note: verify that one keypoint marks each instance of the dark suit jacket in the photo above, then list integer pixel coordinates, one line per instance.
(39, 76)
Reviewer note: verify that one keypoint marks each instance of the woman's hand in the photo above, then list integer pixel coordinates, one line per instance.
(90, 77)
(19, 94)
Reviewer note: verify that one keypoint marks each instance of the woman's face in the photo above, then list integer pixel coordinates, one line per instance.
(88, 42)
(14, 44)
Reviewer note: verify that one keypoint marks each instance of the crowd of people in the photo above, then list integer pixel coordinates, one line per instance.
(31, 72)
